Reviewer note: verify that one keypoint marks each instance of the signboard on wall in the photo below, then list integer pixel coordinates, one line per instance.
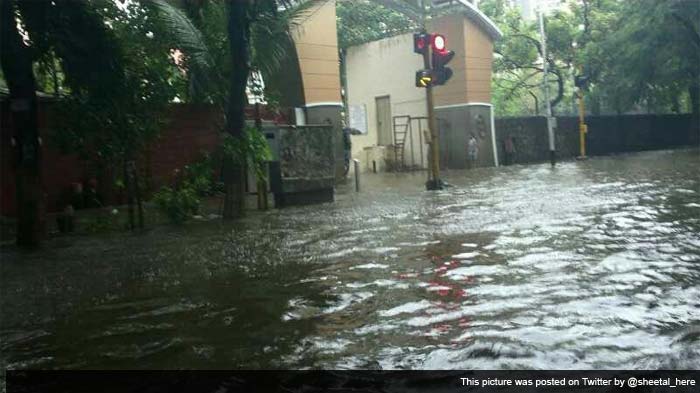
(358, 117)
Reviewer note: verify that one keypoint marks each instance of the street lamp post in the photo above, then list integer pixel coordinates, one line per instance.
(550, 118)
(582, 127)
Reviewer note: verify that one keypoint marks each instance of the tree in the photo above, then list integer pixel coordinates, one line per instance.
(16, 61)
(239, 44)
(364, 21)
(657, 52)
(111, 119)
(257, 36)
(639, 52)
(77, 36)
(518, 65)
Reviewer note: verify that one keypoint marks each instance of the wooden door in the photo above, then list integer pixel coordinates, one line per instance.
(384, 131)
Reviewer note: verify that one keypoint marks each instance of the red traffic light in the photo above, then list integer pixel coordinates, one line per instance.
(439, 43)
(421, 42)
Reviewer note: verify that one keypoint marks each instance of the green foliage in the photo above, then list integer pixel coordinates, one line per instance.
(101, 222)
(638, 54)
(178, 205)
(200, 37)
(181, 201)
(518, 68)
(198, 31)
(657, 52)
(115, 69)
(365, 21)
(198, 175)
(251, 148)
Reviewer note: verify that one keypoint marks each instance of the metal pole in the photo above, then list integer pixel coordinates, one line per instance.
(582, 127)
(420, 140)
(433, 183)
(493, 138)
(550, 118)
(410, 138)
(356, 166)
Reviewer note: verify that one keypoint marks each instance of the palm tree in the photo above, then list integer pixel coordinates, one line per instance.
(259, 36)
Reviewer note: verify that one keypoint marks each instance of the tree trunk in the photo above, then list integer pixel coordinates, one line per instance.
(17, 69)
(129, 193)
(238, 36)
(560, 88)
(138, 195)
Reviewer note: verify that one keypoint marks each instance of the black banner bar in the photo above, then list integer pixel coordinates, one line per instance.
(350, 381)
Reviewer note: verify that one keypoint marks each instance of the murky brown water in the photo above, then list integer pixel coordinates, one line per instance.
(591, 265)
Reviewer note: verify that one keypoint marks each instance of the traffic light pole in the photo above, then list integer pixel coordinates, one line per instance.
(434, 182)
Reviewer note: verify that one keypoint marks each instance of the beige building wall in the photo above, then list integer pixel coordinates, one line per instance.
(377, 69)
(316, 44)
(387, 68)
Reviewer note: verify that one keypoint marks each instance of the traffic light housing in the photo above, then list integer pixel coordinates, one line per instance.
(581, 81)
(421, 42)
(437, 72)
(442, 73)
(441, 56)
(424, 78)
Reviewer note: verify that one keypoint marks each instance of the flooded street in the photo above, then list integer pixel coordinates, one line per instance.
(592, 264)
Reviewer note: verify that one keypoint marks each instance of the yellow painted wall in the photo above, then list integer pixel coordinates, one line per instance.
(455, 90)
(471, 66)
(316, 43)
(479, 63)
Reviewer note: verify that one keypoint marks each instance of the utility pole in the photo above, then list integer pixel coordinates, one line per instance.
(434, 73)
(434, 183)
(550, 119)
(580, 82)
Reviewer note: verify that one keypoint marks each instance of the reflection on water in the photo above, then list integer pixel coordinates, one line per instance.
(591, 265)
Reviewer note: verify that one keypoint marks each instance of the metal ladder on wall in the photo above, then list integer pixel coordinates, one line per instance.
(402, 128)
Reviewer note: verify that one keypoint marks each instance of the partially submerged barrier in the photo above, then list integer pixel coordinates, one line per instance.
(303, 168)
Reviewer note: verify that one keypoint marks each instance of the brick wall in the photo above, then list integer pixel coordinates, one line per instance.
(189, 131)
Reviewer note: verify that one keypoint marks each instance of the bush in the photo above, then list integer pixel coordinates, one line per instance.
(180, 202)
(178, 205)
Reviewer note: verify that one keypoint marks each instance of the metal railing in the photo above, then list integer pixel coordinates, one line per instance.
(407, 129)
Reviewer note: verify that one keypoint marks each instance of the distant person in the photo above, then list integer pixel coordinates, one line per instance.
(472, 151)
(347, 148)
(509, 148)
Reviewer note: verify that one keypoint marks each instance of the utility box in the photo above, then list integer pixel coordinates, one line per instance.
(303, 170)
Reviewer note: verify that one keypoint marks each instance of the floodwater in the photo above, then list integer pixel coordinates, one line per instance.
(592, 264)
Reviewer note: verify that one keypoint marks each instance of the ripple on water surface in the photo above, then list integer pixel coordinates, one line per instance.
(592, 264)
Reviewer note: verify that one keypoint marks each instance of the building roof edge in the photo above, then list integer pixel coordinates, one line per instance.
(476, 15)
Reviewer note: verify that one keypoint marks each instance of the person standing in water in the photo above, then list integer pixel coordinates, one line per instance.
(509, 148)
(472, 151)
